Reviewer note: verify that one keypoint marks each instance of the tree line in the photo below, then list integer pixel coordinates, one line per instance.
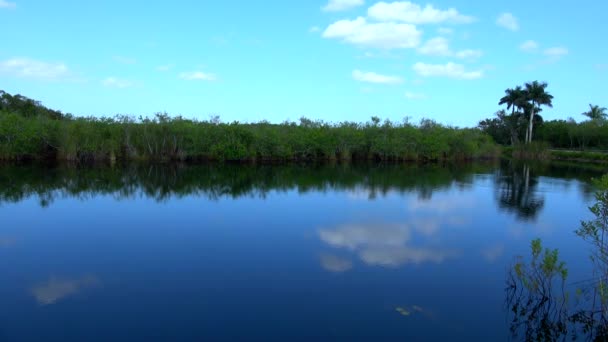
(30, 131)
(521, 121)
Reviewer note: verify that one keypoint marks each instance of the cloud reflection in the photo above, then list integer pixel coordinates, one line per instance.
(386, 245)
(56, 289)
(334, 263)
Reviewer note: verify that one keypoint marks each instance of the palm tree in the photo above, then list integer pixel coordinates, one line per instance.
(536, 94)
(596, 113)
(514, 99)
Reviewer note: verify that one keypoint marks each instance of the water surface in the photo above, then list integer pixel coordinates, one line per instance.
(372, 252)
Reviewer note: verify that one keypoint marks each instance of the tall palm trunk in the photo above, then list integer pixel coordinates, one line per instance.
(531, 123)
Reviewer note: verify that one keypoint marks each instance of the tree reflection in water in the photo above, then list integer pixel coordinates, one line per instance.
(539, 306)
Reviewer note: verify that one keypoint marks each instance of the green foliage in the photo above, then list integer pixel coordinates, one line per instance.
(165, 138)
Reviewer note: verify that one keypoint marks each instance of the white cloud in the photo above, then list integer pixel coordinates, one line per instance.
(556, 52)
(377, 35)
(197, 76)
(468, 54)
(372, 77)
(414, 96)
(412, 13)
(7, 4)
(439, 46)
(114, 82)
(30, 68)
(508, 21)
(450, 70)
(124, 60)
(529, 46)
(341, 5)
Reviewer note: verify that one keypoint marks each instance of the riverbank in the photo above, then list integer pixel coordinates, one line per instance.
(539, 153)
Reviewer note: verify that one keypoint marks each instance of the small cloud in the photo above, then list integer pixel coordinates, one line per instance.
(56, 289)
(341, 5)
(333, 263)
(508, 21)
(407, 12)
(361, 33)
(114, 82)
(372, 77)
(124, 60)
(7, 4)
(529, 46)
(164, 68)
(414, 96)
(439, 46)
(314, 29)
(450, 70)
(601, 66)
(197, 76)
(34, 69)
(555, 52)
(469, 54)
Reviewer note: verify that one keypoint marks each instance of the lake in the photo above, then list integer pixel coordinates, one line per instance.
(300, 252)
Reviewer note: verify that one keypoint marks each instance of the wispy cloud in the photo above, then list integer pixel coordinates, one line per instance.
(197, 76)
(7, 4)
(408, 12)
(556, 52)
(529, 46)
(34, 69)
(56, 289)
(414, 96)
(114, 82)
(165, 67)
(375, 35)
(124, 60)
(508, 21)
(341, 5)
(372, 77)
(450, 70)
(314, 29)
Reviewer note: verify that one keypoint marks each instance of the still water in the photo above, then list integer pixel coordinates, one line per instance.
(195, 253)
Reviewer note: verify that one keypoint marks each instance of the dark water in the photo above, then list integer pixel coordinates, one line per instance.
(276, 253)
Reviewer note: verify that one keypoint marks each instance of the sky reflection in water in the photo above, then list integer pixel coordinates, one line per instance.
(190, 253)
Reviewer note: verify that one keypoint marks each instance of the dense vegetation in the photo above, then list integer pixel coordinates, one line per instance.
(521, 121)
(31, 131)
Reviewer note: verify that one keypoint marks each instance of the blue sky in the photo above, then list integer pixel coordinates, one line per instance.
(334, 60)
